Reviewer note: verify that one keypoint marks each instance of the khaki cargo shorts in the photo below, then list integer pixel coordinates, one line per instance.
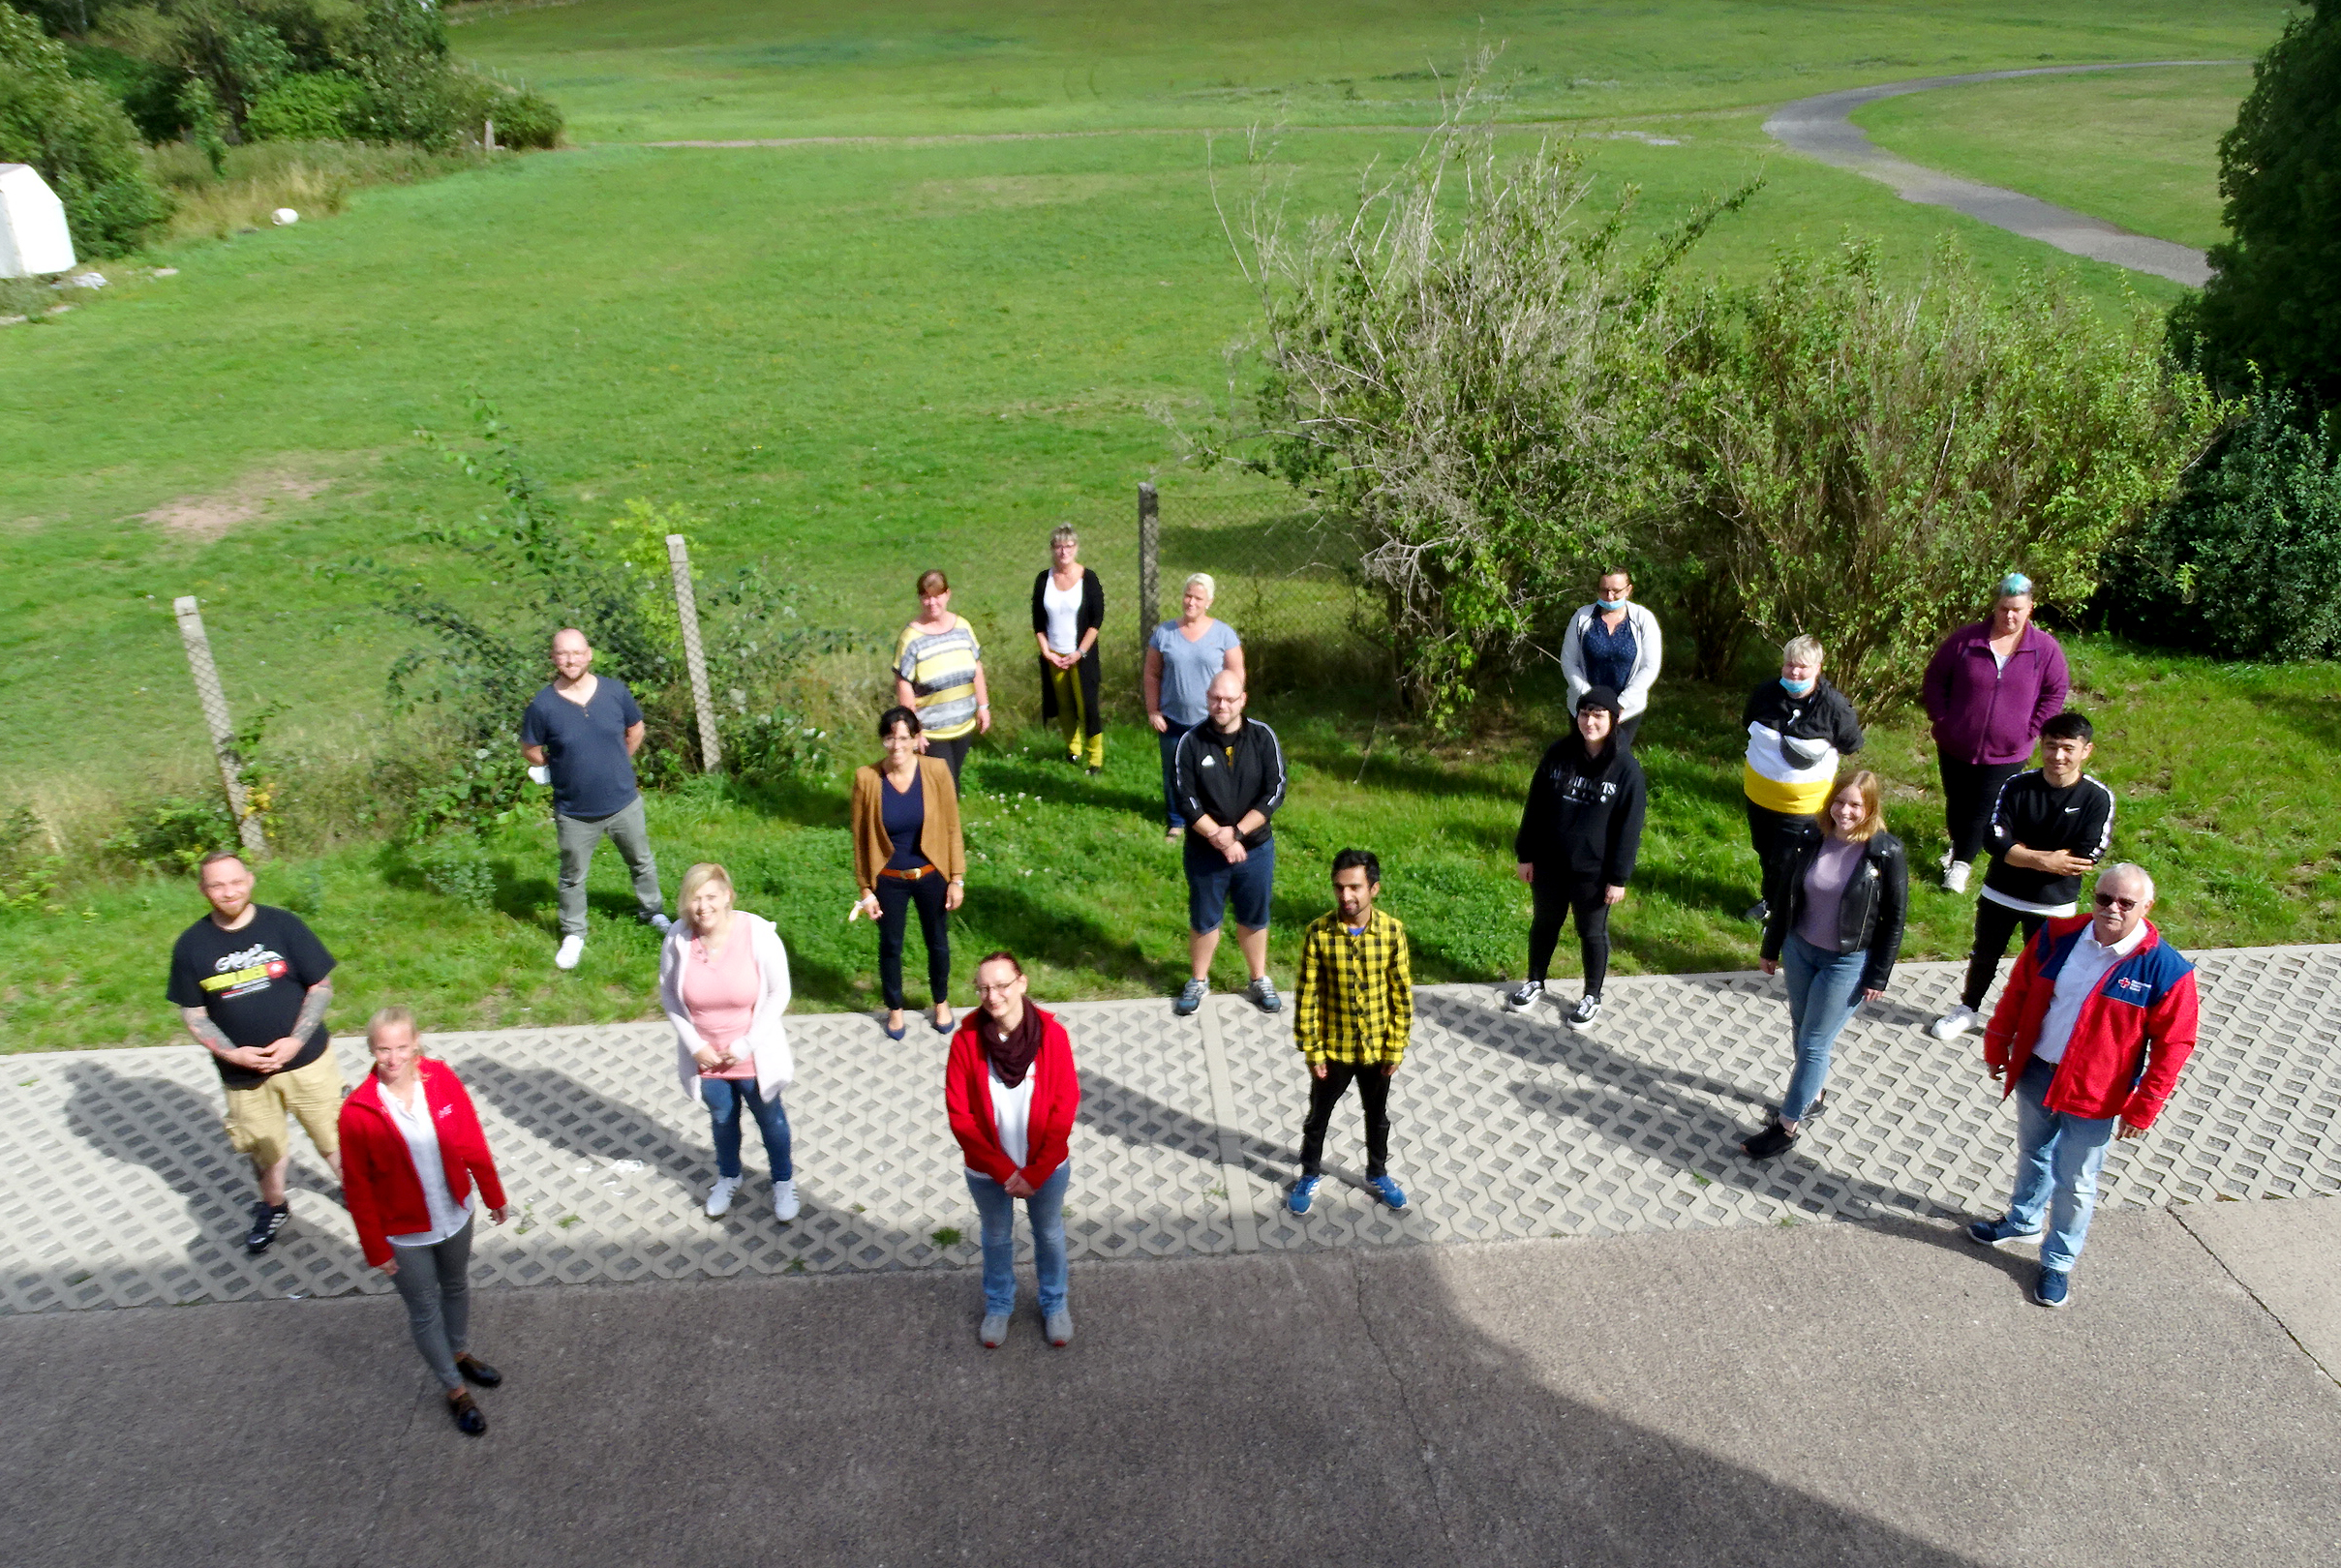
(256, 1117)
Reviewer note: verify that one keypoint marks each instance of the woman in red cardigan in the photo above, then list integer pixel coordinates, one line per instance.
(411, 1149)
(1012, 1093)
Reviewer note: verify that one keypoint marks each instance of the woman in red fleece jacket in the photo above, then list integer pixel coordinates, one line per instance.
(411, 1151)
(1012, 1092)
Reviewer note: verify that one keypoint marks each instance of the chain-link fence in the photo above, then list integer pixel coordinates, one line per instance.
(1286, 578)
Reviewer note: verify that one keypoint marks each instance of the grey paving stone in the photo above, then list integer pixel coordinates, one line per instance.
(118, 1188)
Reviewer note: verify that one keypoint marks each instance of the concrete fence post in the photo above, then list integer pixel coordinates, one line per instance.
(694, 657)
(216, 719)
(1149, 565)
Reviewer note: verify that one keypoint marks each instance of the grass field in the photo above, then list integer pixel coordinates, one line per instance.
(649, 70)
(862, 360)
(2138, 148)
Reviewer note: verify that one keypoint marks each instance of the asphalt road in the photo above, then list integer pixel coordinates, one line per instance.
(1832, 1394)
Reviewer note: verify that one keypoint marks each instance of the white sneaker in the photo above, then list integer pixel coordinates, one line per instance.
(1954, 876)
(1960, 1020)
(572, 948)
(784, 1201)
(661, 925)
(719, 1197)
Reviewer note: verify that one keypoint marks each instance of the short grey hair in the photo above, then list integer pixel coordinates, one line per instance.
(1797, 649)
(2134, 872)
(1065, 534)
(1201, 580)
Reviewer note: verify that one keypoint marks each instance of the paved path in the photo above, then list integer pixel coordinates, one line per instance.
(1821, 128)
(117, 1187)
(1848, 1395)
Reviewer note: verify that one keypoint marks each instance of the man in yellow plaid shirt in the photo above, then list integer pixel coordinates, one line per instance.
(1354, 1012)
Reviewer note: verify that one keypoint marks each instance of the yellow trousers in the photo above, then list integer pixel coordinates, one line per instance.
(1069, 717)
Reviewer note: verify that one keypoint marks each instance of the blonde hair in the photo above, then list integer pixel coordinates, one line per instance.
(696, 878)
(1797, 649)
(1872, 792)
(1064, 533)
(1201, 580)
(385, 1017)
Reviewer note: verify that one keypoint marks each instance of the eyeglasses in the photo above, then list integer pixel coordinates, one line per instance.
(2109, 902)
(1003, 987)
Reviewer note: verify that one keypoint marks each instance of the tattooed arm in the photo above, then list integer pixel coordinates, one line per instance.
(207, 1034)
(314, 1004)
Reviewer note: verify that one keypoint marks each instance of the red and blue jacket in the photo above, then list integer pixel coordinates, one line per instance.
(2134, 1034)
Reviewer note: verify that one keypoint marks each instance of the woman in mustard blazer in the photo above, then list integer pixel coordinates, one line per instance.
(907, 850)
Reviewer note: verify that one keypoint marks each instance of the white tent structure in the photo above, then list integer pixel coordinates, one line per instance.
(33, 236)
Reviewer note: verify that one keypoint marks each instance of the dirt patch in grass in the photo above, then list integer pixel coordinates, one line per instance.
(202, 519)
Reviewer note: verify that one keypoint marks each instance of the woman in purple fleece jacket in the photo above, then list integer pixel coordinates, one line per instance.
(1988, 689)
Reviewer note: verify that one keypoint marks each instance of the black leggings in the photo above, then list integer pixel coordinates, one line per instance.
(896, 895)
(953, 754)
(1970, 790)
(1993, 923)
(1766, 828)
(1373, 1097)
(1559, 894)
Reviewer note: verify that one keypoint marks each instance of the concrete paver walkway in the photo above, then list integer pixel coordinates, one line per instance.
(1820, 127)
(117, 1187)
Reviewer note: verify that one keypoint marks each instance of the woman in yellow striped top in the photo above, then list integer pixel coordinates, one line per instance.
(939, 673)
(1798, 727)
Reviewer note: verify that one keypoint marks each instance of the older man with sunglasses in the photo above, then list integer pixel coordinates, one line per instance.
(2098, 1018)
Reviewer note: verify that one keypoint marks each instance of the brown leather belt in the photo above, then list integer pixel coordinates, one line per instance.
(913, 874)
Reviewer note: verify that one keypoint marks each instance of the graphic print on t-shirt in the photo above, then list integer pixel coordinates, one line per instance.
(240, 974)
(252, 983)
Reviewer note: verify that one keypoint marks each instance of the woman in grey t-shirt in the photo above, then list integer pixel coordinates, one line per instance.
(1183, 658)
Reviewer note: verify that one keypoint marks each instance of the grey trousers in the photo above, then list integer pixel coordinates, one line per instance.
(580, 836)
(436, 1284)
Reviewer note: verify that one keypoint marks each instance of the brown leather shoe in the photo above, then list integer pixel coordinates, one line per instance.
(468, 1419)
(477, 1371)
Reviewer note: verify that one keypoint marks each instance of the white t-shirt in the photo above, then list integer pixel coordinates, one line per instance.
(2085, 966)
(1063, 607)
(1012, 1114)
(447, 1216)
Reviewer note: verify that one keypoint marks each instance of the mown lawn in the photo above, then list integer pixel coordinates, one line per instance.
(2225, 778)
(2138, 148)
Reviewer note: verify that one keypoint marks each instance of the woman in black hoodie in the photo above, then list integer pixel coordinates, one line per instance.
(1579, 833)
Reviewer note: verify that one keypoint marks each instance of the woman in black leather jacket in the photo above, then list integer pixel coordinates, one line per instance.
(1835, 927)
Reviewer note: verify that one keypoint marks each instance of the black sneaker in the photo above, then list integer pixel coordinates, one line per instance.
(1769, 1143)
(1586, 1009)
(1522, 996)
(266, 1221)
(1758, 912)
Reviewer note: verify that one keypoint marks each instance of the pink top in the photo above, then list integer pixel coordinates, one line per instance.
(721, 993)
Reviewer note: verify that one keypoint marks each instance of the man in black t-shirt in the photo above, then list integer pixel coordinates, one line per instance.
(2049, 826)
(252, 983)
(582, 731)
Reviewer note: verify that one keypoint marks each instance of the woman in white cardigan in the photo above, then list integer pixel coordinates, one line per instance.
(1614, 642)
(723, 980)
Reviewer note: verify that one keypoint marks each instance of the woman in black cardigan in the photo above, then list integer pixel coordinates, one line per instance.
(1068, 607)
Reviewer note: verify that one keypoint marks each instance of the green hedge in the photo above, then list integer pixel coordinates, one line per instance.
(76, 134)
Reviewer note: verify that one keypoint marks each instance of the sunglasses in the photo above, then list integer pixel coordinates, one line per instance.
(2109, 902)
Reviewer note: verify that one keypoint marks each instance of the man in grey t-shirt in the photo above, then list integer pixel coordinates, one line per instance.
(583, 731)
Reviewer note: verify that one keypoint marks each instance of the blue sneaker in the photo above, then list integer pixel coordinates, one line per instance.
(2053, 1288)
(1304, 1195)
(1999, 1232)
(1386, 1189)
(1190, 998)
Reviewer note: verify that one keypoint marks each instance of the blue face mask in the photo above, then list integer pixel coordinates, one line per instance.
(1795, 688)
(1610, 606)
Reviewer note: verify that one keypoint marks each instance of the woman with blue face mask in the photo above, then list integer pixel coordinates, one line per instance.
(1614, 642)
(1798, 727)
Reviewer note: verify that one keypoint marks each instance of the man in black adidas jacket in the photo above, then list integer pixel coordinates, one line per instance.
(2049, 826)
(1578, 838)
(1230, 775)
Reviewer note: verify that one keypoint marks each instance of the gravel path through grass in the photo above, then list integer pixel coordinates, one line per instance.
(1821, 127)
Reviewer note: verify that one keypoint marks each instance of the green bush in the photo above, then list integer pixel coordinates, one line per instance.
(524, 119)
(173, 835)
(454, 867)
(147, 92)
(76, 134)
(2272, 308)
(325, 106)
(2245, 563)
(29, 869)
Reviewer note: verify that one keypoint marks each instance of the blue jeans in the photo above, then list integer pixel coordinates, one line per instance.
(724, 1099)
(2058, 1158)
(1172, 729)
(1046, 1211)
(1823, 990)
